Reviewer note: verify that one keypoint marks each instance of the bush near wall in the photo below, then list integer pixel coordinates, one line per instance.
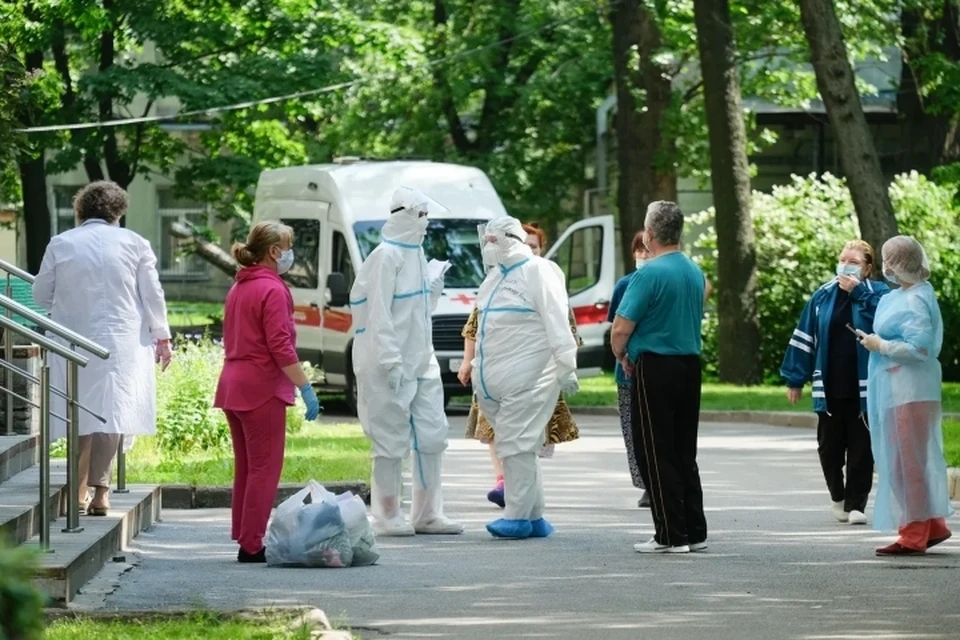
(800, 230)
(21, 603)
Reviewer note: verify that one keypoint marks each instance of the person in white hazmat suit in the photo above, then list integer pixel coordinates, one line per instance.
(525, 356)
(400, 394)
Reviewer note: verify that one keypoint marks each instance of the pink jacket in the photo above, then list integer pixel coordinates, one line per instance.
(259, 339)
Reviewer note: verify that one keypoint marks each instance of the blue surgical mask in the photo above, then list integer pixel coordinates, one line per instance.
(851, 270)
(891, 277)
(285, 261)
(639, 262)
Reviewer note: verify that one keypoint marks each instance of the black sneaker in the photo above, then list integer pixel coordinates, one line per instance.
(258, 557)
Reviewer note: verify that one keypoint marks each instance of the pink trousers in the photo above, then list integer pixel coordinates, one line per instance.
(259, 437)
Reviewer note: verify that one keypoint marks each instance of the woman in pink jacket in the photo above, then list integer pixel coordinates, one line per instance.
(258, 379)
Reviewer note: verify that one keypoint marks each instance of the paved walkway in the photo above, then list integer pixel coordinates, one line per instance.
(778, 566)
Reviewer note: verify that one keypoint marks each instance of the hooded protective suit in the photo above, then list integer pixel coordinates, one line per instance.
(398, 379)
(525, 356)
(904, 393)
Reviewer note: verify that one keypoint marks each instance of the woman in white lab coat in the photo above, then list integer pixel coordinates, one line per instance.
(101, 281)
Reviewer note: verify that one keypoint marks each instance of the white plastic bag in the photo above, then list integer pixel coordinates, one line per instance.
(315, 528)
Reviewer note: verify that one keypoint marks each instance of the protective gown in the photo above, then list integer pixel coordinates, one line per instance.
(392, 303)
(904, 403)
(524, 351)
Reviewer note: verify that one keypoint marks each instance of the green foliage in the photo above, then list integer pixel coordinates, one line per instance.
(21, 603)
(210, 626)
(186, 419)
(800, 230)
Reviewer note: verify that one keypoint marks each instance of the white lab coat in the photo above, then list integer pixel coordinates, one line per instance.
(101, 281)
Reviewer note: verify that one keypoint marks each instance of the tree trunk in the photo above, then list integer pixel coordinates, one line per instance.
(858, 154)
(739, 336)
(207, 250)
(930, 137)
(33, 183)
(36, 211)
(644, 154)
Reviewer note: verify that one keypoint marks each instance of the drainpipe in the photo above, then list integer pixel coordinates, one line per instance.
(602, 112)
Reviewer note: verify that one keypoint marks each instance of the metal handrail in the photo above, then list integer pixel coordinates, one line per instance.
(16, 271)
(43, 341)
(35, 380)
(53, 327)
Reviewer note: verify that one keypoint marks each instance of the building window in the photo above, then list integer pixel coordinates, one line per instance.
(174, 263)
(63, 216)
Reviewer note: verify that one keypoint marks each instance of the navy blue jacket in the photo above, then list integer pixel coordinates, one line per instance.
(807, 354)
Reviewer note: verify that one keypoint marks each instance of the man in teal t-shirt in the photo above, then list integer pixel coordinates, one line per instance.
(656, 337)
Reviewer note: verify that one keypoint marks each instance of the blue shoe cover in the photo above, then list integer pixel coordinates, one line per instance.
(495, 496)
(504, 528)
(541, 528)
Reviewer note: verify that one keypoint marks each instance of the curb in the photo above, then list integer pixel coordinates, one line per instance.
(181, 496)
(797, 419)
(953, 482)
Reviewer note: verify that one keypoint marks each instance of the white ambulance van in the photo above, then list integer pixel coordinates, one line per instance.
(336, 212)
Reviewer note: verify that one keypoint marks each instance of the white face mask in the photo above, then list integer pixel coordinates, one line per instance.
(851, 270)
(422, 223)
(285, 261)
(490, 254)
(639, 262)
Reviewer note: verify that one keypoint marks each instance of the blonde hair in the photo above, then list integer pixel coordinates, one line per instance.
(863, 247)
(263, 236)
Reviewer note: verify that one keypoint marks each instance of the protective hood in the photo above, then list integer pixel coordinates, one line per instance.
(503, 242)
(409, 214)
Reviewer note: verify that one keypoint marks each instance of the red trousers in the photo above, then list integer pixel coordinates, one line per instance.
(916, 535)
(259, 437)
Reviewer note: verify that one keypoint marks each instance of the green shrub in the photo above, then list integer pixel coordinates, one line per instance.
(21, 603)
(186, 419)
(800, 230)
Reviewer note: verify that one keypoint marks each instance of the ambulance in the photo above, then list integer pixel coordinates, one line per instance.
(336, 212)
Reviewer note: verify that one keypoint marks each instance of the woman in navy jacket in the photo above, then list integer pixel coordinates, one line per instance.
(823, 349)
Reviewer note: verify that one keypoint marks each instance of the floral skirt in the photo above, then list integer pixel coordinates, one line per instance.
(561, 427)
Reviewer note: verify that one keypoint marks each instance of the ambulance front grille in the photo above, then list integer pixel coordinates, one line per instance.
(447, 332)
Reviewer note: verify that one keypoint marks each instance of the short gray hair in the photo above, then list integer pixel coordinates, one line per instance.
(103, 199)
(665, 222)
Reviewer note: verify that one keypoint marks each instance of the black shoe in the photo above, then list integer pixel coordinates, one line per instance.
(258, 557)
(644, 500)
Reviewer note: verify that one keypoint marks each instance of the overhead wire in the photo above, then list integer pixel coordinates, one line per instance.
(209, 111)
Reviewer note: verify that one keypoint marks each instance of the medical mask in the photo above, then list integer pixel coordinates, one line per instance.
(639, 262)
(491, 255)
(851, 270)
(891, 277)
(422, 223)
(285, 261)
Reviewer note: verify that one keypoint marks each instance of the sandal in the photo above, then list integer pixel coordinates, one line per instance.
(97, 511)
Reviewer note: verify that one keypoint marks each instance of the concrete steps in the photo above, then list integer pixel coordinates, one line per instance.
(73, 558)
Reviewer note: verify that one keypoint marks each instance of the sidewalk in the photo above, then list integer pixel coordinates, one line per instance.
(777, 567)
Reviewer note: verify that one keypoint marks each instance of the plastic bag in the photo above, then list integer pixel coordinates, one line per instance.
(316, 528)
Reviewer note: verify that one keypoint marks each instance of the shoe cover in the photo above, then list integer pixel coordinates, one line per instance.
(441, 525)
(396, 528)
(495, 496)
(503, 528)
(541, 528)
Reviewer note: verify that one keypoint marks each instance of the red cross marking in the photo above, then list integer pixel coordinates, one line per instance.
(464, 298)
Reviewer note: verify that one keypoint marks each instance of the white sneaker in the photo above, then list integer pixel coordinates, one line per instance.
(441, 525)
(652, 546)
(394, 528)
(857, 517)
(698, 546)
(839, 513)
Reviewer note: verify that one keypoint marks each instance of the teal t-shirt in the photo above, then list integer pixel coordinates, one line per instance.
(665, 300)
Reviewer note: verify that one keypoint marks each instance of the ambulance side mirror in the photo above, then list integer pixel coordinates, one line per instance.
(337, 293)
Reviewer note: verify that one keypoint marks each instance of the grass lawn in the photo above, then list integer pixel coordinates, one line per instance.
(208, 627)
(326, 453)
(951, 442)
(193, 314)
(601, 391)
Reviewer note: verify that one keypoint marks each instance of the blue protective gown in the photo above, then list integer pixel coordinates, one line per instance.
(903, 400)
